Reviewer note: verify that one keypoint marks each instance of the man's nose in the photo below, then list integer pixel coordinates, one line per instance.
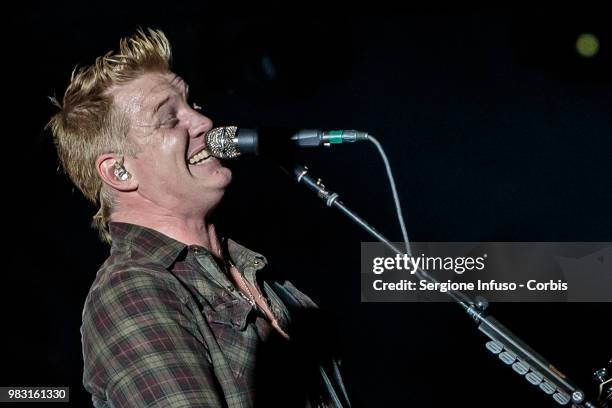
(200, 125)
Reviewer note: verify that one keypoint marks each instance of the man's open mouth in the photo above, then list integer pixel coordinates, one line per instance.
(199, 157)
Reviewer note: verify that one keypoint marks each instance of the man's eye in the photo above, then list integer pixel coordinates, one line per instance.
(170, 122)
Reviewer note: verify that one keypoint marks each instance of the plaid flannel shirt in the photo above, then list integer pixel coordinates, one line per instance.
(163, 326)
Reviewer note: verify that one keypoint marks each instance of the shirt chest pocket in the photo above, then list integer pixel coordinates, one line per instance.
(236, 339)
(227, 310)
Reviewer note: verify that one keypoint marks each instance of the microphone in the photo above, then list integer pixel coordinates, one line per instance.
(228, 142)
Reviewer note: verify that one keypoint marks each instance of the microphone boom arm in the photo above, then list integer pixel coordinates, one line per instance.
(505, 344)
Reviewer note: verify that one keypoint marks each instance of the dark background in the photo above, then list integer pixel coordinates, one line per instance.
(496, 130)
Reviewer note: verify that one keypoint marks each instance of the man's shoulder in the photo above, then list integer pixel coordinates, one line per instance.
(122, 273)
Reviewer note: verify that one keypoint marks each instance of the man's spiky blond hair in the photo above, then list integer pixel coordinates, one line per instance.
(89, 124)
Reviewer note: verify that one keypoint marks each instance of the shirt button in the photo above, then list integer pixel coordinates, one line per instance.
(256, 263)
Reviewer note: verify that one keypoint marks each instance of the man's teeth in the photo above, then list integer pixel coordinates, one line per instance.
(197, 158)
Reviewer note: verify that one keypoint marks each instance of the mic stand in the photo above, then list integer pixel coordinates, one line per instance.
(502, 342)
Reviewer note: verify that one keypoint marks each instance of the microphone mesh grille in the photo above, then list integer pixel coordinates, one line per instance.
(220, 142)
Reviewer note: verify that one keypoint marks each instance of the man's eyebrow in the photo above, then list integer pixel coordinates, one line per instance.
(182, 82)
(167, 98)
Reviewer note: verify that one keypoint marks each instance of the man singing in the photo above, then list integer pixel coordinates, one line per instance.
(177, 316)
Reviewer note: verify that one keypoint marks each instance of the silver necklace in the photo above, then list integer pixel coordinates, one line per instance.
(250, 298)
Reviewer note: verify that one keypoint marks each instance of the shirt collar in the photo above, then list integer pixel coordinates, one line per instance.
(243, 257)
(164, 250)
(147, 242)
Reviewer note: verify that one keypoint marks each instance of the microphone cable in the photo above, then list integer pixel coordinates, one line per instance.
(396, 200)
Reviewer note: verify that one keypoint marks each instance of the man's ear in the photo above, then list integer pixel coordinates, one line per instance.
(114, 173)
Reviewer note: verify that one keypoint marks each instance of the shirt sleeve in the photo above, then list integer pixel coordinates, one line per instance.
(141, 348)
